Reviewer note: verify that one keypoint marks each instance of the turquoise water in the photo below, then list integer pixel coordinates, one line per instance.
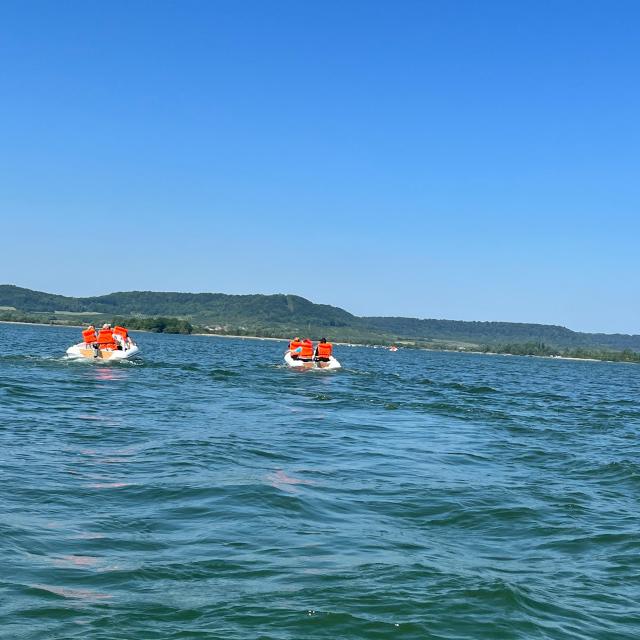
(204, 491)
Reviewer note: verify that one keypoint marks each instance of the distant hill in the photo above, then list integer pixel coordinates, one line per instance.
(500, 333)
(200, 307)
(283, 315)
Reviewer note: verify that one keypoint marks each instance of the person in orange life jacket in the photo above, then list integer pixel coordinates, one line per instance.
(105, 338)
(323, 351)
(121, 336)
(294, 347)
(306, 350)
(89, 335)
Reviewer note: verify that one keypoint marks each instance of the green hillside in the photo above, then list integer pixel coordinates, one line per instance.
(499, 333)
(282, 315)
(200, 307)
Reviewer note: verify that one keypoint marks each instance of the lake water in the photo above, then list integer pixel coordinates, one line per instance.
(205, 491)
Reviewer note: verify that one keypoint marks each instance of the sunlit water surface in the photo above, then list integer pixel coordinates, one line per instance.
(205, 491)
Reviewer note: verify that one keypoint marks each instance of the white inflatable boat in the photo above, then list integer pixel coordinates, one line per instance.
(83, 350)
(310, 364)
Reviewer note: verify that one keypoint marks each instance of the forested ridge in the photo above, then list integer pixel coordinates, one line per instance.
(280, 315)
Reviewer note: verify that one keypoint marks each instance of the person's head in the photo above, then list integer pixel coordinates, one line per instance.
(91, 327)
(323, 340)
(296, 339)
(106, 325)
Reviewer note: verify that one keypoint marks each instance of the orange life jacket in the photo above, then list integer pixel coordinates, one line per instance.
(307, 350)
(121, 331)
(89, 336)
(324, 349)
(105, 339)
(294, 344)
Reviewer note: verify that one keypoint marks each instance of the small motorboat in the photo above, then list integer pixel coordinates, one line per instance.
(93, 352)
(107, 344)
(310, 364)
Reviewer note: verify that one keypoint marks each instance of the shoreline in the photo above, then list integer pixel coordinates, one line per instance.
(343, 344)
(220, 335)
(525, 355)
(42, 324)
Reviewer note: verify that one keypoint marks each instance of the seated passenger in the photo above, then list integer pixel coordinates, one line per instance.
(306, 350)
(89, 335)
(105, 338)
(121, 336)
(323, 351)
(294, 347)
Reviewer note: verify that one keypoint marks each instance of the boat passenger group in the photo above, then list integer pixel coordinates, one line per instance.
(115, 344)
(303, 350)
(107, 338)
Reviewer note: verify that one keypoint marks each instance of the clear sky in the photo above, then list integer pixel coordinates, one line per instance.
(450, 159)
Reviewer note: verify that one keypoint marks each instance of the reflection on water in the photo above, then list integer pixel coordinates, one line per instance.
(108, 485)
(66, 592)
(280, 480)
(109, 373)
(75, 561)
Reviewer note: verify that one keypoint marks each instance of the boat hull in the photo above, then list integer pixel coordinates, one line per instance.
(299, 364)
(80, 351)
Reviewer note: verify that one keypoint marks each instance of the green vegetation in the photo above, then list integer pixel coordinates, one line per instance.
(493, 333)
(204, 308)
(541, 349)
(155, 324)
(282, 316)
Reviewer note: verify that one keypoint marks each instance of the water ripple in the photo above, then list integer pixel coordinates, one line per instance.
(205, 491)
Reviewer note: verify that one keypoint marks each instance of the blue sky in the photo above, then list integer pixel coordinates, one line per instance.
(464, 160)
